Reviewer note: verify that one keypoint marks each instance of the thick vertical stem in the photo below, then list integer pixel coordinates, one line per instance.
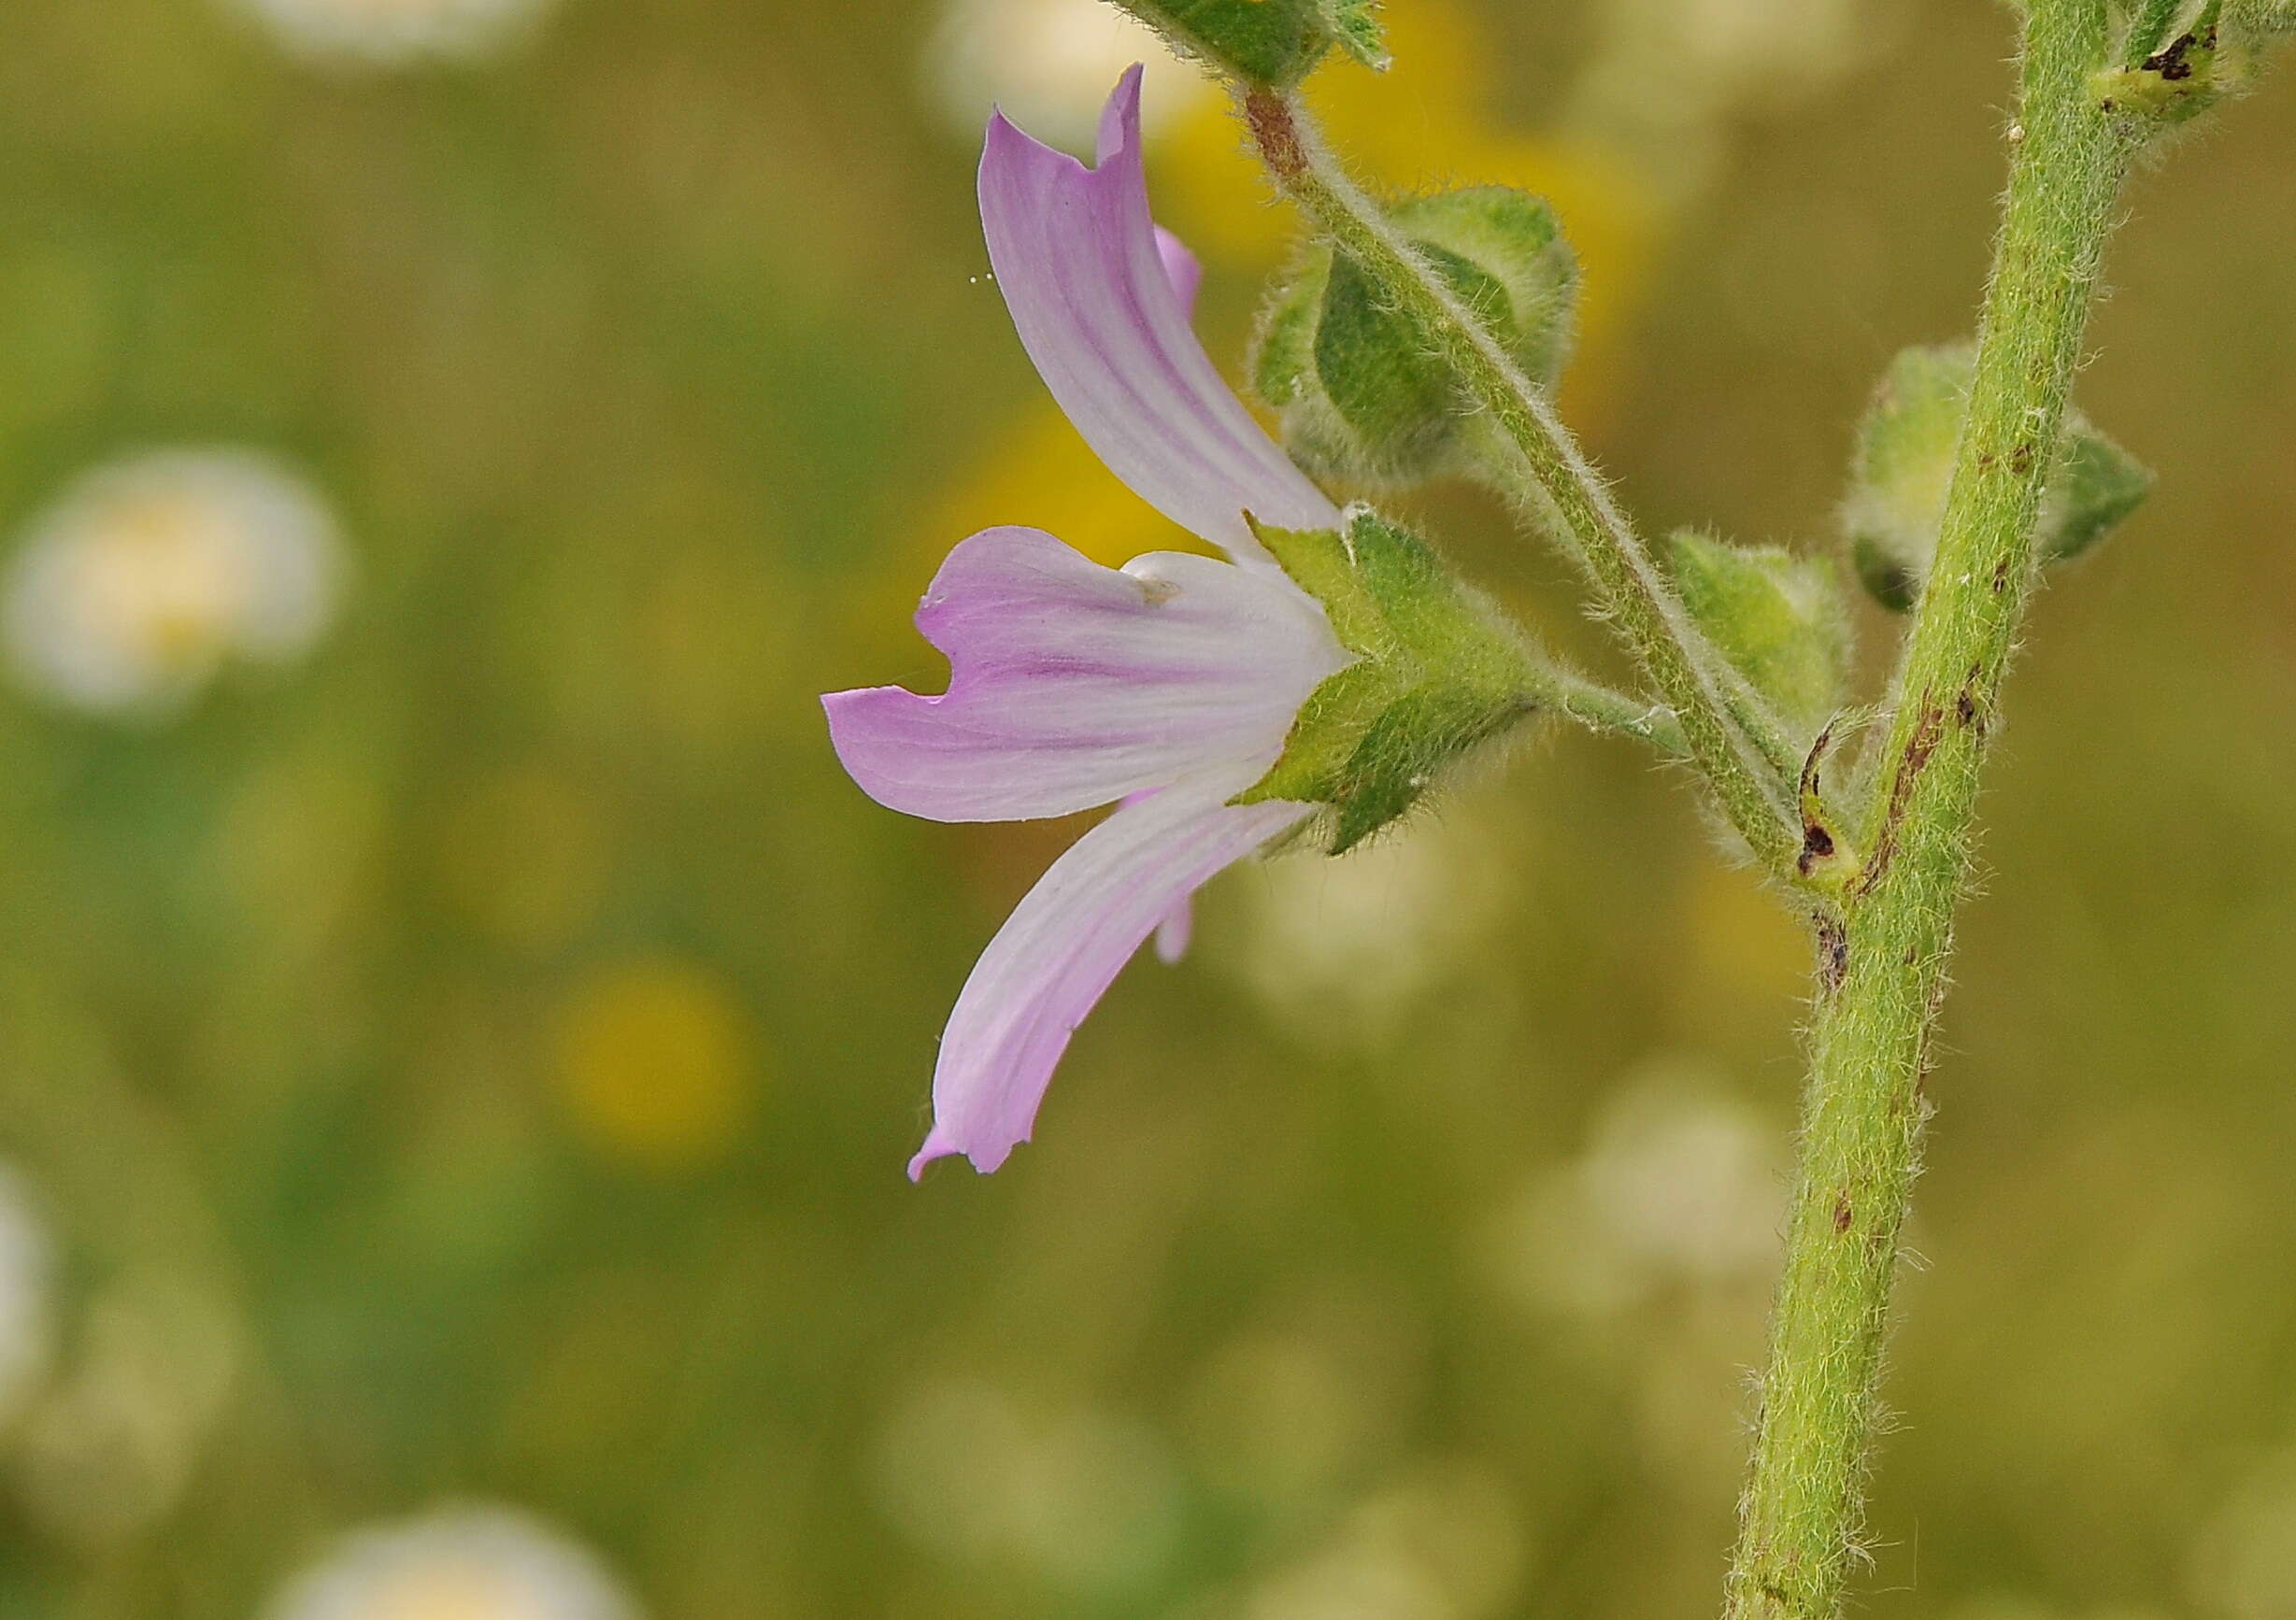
(1882, 971)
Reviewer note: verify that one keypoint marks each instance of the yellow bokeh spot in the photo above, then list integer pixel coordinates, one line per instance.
(654, 1063)
(1423, 125)
(1745, 950)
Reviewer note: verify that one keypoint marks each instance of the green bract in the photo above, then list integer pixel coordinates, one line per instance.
(1437, 671)
(1780, 618)
(1363, 393)
(1267, 43)
(1903, 460)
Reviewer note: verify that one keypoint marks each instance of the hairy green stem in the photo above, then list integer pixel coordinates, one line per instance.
(1752, 771)
(1599, 708)
(1881, 971)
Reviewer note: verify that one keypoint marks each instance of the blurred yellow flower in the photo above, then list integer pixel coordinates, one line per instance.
(389, 32)
(1425, 124)
(133, 589)
(654, 1063)
(457, 1564)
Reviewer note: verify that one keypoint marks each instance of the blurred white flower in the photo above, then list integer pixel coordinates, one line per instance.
(388, 33)
(1665, 76)
(1340, 949)
(467, 1563)
(1049, 63)
(1681, 1183)
(26, 1319)
(110, 1443)
(1084, 1498)
(132, 590)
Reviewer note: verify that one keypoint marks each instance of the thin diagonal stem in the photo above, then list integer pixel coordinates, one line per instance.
(1726, 732)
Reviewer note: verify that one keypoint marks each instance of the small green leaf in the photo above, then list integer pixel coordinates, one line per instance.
(1437, 672)
(1362, 395)
(1402, 751)
(1355, 27)
(1904, 463)
(1267, 43)
(2097, 485)
(1514, 239)
(1325, 734)
(1381, 371)
(1779, 618)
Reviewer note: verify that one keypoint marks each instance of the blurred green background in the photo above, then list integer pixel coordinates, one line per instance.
(461, 1065)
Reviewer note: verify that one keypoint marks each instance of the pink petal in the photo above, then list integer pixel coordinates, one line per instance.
(1173, 932)
(1077, 255)
(1182, 268)
(1072, 684)
(1062, 944)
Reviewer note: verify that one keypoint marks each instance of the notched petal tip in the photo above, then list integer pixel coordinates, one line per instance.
(1120, 119)
(985, 1161)
(1092, 295)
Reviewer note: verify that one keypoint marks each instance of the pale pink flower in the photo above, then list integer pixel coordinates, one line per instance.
(1166, 688)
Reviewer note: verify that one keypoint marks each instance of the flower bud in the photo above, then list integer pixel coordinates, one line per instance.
(1437, 672)
(1270, 44)
(1782, 619)
(1363, 394)
(1904, 463)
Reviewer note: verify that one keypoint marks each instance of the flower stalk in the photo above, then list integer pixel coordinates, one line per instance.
(1740, 750)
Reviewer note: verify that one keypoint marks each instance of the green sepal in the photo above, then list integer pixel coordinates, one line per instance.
(1780, 618)
(1267, 43)
(1904, 463)
(2097, 485)
(1437, 672)
(1361, 394)
(1355, 30)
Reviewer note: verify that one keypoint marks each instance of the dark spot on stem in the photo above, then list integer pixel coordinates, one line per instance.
(2001, 576)
(1928, 723)
(1832, 955)
(2020, 459)
(1816, 845)
(1965, 703)
(2170, 63)
(1841, 1212)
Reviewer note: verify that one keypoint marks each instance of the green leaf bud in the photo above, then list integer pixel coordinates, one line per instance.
(1437, 672)
(1362, 393)
(1903, 462)
(1782, 619)
(1269, 44)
